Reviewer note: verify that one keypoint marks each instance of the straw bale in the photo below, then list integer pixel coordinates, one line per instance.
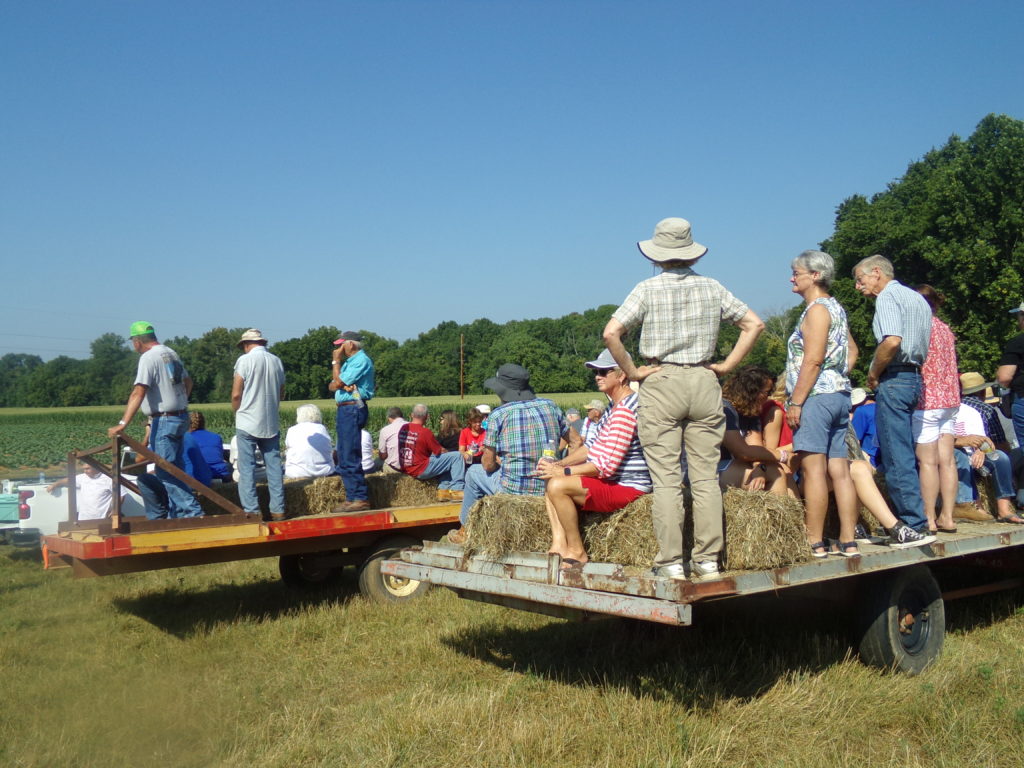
(319, 495)
(762, 530)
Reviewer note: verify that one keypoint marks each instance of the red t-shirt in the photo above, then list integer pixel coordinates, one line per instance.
(416, 444)
(786, 436)
(474, 443)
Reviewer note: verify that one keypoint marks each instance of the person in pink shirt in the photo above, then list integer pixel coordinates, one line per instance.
(934, 419)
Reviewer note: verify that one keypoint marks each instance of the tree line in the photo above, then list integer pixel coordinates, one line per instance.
(954, 219)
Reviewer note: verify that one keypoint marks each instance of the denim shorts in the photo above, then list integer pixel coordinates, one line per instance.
(823, 421)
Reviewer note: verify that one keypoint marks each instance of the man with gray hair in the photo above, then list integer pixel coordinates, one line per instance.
(902, 328)
(422, 457)
(387, 440)
(256, 394)
(679, 313)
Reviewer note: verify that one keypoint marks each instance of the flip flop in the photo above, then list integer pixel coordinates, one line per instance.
(940, 529)
(1013, 519)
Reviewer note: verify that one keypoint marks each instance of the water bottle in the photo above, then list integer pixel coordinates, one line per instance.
(548, 454)
(42, 478)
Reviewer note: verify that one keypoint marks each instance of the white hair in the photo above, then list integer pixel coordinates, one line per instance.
(817, 261)
(308, 412)
(420, 411)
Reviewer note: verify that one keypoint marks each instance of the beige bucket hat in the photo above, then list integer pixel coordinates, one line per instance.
(253, 334)
(672, 240)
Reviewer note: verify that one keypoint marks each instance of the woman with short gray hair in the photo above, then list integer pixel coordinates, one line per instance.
(820, 356)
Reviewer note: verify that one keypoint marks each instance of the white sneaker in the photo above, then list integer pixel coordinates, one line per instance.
(671, 571)
(707, 569)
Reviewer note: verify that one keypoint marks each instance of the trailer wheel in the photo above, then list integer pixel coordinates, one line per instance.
(380, 588)
(304, 572)
(903, 621)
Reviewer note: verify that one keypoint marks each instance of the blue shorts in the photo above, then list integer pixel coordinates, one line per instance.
(823, 421)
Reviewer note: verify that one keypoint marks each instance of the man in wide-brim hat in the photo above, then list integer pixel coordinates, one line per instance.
(518, 431)
(679, 313)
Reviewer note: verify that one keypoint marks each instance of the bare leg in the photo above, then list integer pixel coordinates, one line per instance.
(947, 480)
(863, 477)
(566, 495)
(557, 532)
(815, 495)
(846, 497)
(928, 471)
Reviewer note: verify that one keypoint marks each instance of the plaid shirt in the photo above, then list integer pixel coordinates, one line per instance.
(993, 426)
(680, 312)
(517, 432)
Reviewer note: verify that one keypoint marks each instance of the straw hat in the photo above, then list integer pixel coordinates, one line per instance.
(253, 334)
(972, 382)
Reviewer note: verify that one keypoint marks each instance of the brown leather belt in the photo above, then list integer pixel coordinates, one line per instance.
(349, 402)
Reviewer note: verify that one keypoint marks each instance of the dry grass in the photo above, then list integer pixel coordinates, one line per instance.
(762, 530)
(220, 666)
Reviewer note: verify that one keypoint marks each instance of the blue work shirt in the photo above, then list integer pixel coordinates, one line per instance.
(358, 370)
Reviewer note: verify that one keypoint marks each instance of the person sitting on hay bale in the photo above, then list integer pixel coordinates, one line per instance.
(518, 431)
(602, 477)
(745, 393)
(308, 448)
(422, 457)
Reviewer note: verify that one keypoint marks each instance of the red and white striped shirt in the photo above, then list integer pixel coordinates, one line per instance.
(616, 451)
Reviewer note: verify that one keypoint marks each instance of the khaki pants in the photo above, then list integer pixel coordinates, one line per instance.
(683, 406)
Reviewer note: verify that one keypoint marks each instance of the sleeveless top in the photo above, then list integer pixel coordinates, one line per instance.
(833, 374)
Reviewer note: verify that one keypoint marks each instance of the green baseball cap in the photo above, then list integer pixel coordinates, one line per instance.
(141, 328)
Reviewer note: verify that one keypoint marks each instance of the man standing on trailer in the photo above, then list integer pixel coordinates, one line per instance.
(352, 382)
(679, 313)
(162, 387)
(903, 328)
(256, 394)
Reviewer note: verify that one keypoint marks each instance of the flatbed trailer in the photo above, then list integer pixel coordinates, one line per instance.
(312, 550)
(895, 594)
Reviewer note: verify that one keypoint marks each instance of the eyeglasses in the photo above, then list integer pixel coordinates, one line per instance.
(603, 371)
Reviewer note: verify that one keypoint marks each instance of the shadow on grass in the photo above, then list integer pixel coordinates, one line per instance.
(732, 651)
(185, 614)
(983, 611)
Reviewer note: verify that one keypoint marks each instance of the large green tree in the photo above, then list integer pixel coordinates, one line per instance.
(954, 220)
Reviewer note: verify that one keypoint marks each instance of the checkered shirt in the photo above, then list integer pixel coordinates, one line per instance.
(679, 313)
(517, 432)
(993, 426)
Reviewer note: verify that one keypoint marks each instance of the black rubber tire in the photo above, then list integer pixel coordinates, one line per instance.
(301, 572)
(377, 587)
(903, 621)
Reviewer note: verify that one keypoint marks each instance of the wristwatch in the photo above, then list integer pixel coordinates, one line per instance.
(791, 404)
(567, 471)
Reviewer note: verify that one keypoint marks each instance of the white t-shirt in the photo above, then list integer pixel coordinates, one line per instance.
(94, 496)
(367, 448)
(308, 451)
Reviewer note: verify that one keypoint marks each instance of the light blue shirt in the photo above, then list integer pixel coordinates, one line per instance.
(358, 370)
(902, 312)
(263, 375)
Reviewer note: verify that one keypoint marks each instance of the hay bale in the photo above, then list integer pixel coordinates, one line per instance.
(762, 530)
(319, 495)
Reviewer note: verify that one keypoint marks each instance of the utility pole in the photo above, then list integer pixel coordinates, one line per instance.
(462, 366)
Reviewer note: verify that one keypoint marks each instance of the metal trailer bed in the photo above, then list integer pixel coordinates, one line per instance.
(900, 604)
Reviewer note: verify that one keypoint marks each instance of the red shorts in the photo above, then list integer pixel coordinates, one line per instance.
(603, 496)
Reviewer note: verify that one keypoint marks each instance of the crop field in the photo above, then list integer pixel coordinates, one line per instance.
(38, 439)
(221, 665)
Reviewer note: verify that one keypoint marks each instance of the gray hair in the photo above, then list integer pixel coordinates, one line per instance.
(419, 411)
(883, 264)
(394, 412)
(817, 261)
(356, 344)
(308, 412)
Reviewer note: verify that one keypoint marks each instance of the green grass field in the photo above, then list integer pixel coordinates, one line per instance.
(39, 439)
(221, 666)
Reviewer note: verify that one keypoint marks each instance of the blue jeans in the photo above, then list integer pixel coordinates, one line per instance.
(897, 397)
(166, 440)
(270, 447)
(1018, 419)
(478, 484)
(450, 467)
(964, 477)
(349, 420)
(997, 464)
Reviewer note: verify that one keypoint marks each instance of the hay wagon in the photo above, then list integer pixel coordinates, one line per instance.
(895, 597)
(313, 545)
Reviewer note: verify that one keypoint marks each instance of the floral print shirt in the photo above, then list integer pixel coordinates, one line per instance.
(833, 374)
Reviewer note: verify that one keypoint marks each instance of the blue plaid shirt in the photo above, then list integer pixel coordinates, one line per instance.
(993, 426)
(517, 432)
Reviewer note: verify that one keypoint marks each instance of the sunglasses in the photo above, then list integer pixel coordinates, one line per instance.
(603, 371)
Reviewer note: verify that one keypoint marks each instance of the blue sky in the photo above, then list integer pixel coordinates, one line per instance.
(392, 165)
